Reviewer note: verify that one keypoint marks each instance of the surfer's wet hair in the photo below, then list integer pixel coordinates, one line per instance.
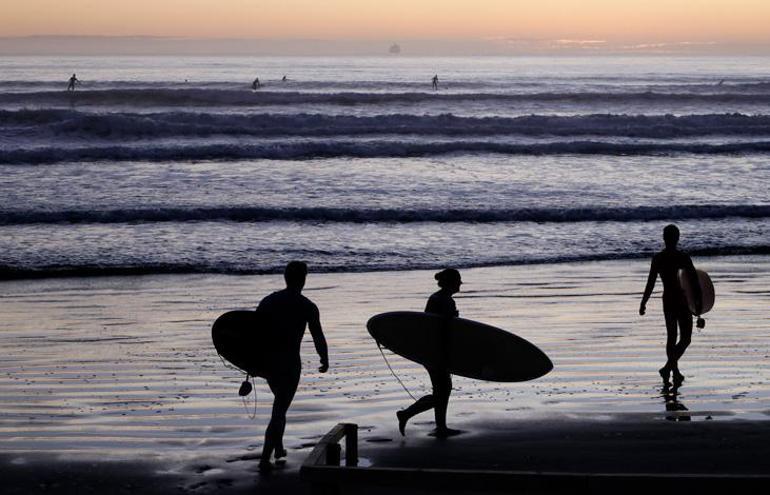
(295, 273)
(447, 276)
(671, 235)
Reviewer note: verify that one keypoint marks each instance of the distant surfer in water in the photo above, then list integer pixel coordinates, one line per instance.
(435, 82)
(73, 81)
(667, 264)
(256, 85)
(440, 303)
(288, 313)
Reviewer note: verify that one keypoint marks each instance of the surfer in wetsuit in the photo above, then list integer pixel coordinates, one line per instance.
(667, 264)
(256, 85)
(288, 313)
(440, 303)
(73, 81)
(435, 82)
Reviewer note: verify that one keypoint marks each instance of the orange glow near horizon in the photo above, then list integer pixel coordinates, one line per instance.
(740, 21)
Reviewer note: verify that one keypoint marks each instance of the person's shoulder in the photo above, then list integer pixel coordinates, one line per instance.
(309, 307)
(684, 257)
(306, 300)
(271, 298)
(438, 302)
(275, 295)
(436, 297)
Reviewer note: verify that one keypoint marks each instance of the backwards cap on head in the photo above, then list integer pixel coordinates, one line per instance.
(447, 276)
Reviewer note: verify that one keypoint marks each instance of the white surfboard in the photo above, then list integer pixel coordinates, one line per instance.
(706, 289)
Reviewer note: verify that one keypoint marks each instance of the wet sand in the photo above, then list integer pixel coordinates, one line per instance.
(120, 371)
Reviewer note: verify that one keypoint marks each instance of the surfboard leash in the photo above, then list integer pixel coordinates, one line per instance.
(243, 397)
(394, 373)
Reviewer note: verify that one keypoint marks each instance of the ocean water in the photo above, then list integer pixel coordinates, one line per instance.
(174, 165)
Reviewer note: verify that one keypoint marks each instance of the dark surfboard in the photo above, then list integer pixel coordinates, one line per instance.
(463, 347)
(245, 340)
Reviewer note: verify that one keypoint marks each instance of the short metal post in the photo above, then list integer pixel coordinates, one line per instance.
(351, 444)
(333, 453)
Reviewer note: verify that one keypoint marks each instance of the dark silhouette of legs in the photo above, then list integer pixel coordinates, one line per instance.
(671, 336)
(685, 337)
(442, 388)
(420, 405)
(283, 386)
(441, 381)
(677, 317)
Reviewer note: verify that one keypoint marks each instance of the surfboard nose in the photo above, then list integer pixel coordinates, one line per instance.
(545, 365)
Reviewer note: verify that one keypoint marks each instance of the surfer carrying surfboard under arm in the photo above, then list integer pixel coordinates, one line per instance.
(288, 312)
(440, 303)
(667, 264)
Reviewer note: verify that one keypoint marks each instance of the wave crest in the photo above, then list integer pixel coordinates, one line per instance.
(359, 149)
(363, 215)
(237, 97)
(171, 124)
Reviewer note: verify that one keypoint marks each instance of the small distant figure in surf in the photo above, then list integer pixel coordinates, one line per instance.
(667, 264)
(435, 82)
(284, 78)
(256, 85)
(440, 303)
(721, 82)
(73, 82)
(288, 312)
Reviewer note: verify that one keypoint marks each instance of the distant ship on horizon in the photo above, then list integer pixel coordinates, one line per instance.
(394, 49)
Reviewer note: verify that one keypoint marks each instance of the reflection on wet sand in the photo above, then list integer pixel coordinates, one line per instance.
(670, 393)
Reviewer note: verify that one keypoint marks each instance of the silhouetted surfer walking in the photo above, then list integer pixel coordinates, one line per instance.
(435, 82)
(73, 81)
(440, 303)
(287, 313)
(667, 264)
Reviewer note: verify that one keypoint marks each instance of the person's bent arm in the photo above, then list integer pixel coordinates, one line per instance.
(319, 340)
(648, 288)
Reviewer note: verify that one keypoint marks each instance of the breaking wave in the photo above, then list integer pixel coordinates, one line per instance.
(168, 97)
(10, 272)
(358, 149)
(183, 124)
(320, 214)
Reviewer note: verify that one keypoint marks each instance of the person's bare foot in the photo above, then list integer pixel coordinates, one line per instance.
(664, 372)
(445, 432)
(279, 453)
(402, 419)
(678, 377)
(265, 467)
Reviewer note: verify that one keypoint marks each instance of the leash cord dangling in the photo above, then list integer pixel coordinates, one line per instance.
(245, 404)
(253, 387)
(394, 373)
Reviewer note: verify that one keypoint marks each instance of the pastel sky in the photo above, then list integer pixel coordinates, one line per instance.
(731, 21)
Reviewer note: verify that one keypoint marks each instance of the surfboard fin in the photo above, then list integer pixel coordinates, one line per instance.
(245, 388)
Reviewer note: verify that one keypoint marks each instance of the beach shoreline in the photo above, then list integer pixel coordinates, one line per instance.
(625, 444)
(113, 381)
